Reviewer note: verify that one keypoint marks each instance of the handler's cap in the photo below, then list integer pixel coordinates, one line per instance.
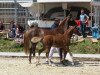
(57, 19)
(34, 24)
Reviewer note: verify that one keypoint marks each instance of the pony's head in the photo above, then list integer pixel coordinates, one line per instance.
(69, 31)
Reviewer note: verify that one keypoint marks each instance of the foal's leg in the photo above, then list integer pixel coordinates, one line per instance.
(30, 55)
(34, 48)
(60, 54)
(47, 53)
(33, 51)
(70, 54)
(65, 50)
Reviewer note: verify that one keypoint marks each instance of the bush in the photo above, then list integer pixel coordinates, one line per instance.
(84, 47)
(9, 46)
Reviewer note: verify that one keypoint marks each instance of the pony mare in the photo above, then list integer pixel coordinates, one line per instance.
(59, 41)
(29, 34)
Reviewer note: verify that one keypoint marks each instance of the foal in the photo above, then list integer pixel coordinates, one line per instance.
(59, 41)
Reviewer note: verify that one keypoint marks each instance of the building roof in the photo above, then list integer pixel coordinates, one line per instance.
(11, 1)
(44, 1)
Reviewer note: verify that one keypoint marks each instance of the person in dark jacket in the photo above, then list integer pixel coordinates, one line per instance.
(56, 24)
(19, 31)
(13, 29)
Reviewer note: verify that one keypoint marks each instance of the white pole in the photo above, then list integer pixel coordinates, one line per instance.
(38, 11)
(64, 6)
(64, 13)
(91, 13)
(15, 18)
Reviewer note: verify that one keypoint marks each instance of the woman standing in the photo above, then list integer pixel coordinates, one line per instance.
(83, 20)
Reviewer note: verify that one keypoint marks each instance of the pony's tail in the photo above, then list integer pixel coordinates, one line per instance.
(26, 43)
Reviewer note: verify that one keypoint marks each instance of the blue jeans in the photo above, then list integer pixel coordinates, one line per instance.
(83, 29)
(95, 33)
(13, 32)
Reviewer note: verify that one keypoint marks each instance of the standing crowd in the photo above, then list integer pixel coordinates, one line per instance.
(17, 30)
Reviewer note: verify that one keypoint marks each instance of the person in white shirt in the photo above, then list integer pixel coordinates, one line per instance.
(83, 20)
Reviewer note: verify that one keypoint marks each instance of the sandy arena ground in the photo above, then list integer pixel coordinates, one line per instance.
(21, 66)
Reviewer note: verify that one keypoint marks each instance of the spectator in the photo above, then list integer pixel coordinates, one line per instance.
(13, 29)
(56, 24)
(83, 20)
(1, 26)
(19, 31)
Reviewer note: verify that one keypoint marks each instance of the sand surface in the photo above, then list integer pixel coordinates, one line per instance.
(21, 66)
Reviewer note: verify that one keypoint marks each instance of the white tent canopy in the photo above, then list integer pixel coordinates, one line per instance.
(26, 4)
(45, 1)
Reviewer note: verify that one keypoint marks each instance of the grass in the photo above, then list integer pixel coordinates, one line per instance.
(86, 47)
(10, 46)
(83, 48)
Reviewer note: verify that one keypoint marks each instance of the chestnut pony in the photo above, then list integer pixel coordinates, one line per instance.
(59, 41)
(29, 34)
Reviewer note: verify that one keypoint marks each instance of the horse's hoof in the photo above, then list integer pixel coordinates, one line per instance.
(64, 63)
(53, 65)
(47, 62)
(72, 64)
(50, 64)
(37, 64)
(30, 63)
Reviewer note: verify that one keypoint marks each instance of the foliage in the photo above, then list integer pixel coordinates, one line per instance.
(86, 47)
(10, 46)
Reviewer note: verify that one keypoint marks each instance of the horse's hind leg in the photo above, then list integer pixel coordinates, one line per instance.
(34, 48)
(30, 55)
(64, 56)
(60, 54)
(47, 54)
(33, 51)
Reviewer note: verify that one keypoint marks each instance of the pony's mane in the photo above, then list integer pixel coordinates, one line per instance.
(61, 25)
(69, 31)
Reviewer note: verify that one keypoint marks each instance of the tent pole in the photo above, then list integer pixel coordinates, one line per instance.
(91, 12)
(38, 11)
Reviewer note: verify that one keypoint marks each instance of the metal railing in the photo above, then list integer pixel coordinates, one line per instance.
(96, 0)
(20, 1)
